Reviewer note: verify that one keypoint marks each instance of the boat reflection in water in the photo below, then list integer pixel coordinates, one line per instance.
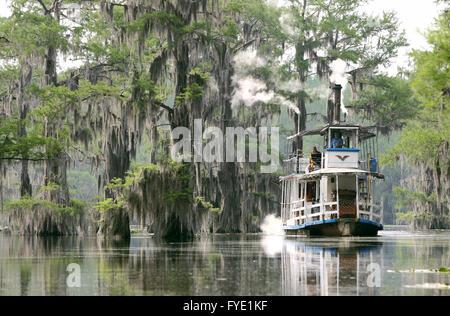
(328, 267)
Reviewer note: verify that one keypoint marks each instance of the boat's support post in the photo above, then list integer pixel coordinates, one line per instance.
(289, 197)
(305, 203)
(337, 196)
(321, 199)
(282, 203)
(357, 196)
(368, 187)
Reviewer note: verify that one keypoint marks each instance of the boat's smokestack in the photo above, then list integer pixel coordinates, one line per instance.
(337, 102)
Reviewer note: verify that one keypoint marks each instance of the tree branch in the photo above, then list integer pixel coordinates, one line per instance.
(43, 6)
(245, 45)
(160, 104)
(23, 159)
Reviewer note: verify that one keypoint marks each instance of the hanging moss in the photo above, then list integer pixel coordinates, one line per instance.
(31, 216)
(426, 194)
(162, 199)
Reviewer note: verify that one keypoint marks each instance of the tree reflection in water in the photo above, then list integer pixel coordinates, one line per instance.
(226, 265)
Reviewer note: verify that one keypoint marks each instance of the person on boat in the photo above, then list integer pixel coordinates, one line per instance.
(316, 157)
(336, 141)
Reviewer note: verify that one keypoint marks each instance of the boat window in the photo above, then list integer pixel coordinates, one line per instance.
(347, 142)
(350, 140)
(347, 138)
(336, 139)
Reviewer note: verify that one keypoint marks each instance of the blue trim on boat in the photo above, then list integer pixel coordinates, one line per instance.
(365, 221)
(329, 221)
(296, 227)
(342, 149)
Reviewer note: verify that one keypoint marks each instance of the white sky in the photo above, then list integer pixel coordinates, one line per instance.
(414, 15)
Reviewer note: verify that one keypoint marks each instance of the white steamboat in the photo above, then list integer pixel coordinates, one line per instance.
(332, 192)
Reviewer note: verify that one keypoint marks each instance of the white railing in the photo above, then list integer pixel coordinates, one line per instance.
(303, 214)
(334, 211)
(300, 211)
(290, 165)
(370, 211)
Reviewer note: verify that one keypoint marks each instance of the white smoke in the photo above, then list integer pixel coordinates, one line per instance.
(249, 91)
(338, 76)
(291, 106)
(338, 69)
(273, 240)
(248, 58)
(276, 3)
(319, 92)
(285, 22)
(293, 85)
(272, 245)
(272, 225)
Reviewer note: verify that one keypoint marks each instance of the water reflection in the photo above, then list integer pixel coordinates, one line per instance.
(226, 265)
(345, 268)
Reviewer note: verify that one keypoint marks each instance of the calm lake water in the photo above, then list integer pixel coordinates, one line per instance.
(395, 263)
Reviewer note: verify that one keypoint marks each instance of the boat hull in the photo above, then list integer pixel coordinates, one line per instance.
(337, 228)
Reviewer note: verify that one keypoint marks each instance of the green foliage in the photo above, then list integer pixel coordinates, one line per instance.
(50, 187)
(406, 198)
(429, 131)
(404, 217)
(206, 205)
(420, 142)
(29, 203)
(30, 32)
(388, 102)
(100, 89)
(120, 188)
(160, 16)
(265, 195)
(194, 91)
(14, 147)
(432, 73)
(119, 56)
(184, 196)
(108, 204)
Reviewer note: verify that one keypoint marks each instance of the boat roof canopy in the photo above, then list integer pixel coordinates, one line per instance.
(364, 132)
(332, 172)
(306, 133)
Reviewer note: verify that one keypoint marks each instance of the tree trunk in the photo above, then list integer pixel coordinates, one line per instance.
(24, 82)
(55, 167)
(330, 107)
(302, 68)
(230, 216)
(115, 224)
(1, 187)
(300, 125)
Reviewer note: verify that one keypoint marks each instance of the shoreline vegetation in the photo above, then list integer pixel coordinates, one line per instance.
(91, 93)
